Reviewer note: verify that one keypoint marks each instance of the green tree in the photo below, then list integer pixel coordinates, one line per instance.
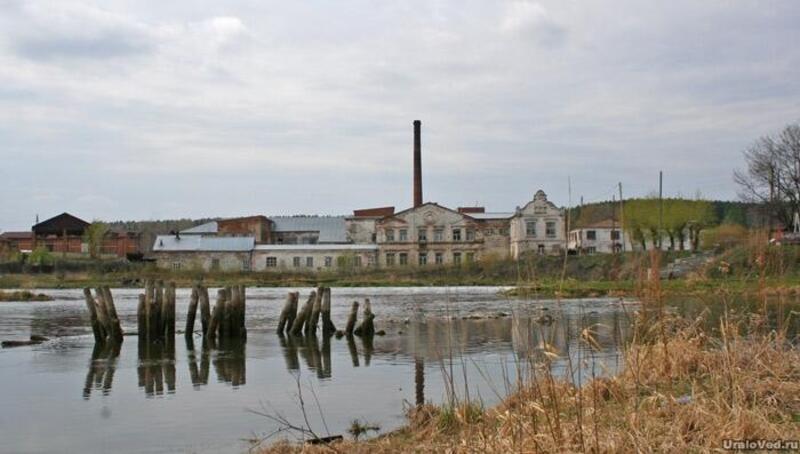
(93, 236)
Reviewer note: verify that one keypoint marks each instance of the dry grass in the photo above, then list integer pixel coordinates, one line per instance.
(679, 390)
(683, 395)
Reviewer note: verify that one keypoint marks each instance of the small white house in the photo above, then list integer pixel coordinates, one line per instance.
(603, 237)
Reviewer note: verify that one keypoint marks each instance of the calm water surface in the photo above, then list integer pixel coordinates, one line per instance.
(66, 396)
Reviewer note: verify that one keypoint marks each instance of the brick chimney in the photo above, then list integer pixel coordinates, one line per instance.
(417, 164)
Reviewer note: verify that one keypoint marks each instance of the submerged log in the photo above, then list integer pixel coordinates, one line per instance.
(351, 321)
(328, 328)
(288, 313)
(305, 313)
(190, 316)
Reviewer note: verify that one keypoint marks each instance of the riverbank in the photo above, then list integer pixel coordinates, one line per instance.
(683, 391)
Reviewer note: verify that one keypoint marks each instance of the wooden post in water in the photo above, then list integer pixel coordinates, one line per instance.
(102, 317)
(97, 329)
(313, 319)
(328, 328)
(190, 316)
(243, 312)
(141, 317)
(108, 299)
(305, 313)
(216, 316)
(367, 327)
(168, 312)
(351, 321)
(154, 312)
(205, 308)
(288, 313)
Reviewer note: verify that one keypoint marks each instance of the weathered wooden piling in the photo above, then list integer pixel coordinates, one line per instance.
(305, 313)
(313, 319)
(190, 316)
(141, 316)
(216, 316)
(154, 313)
(97, 328)
(328, 328)
(351, 321)
(288, 313)
(168, 312)
(205, 308)
(367, 326)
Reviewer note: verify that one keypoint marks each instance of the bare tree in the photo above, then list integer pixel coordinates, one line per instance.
(772, 177)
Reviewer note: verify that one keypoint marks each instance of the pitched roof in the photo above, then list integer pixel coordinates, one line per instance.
(208, 227)
(201, 243)
(487, 216)
(58, 224)
(331, 228)
(316, 247)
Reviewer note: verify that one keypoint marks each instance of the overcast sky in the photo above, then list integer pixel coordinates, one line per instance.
(132, 109)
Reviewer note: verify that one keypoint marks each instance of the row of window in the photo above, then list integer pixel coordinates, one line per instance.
(549, 229)
(422, 234)
(401, 258)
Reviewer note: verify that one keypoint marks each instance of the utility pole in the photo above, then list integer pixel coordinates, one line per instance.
(660, 207)
(621, 218)
(613, 224)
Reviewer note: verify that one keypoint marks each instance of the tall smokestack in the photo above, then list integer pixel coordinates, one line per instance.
(417, 164)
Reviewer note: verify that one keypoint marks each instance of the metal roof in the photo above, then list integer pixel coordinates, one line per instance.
(316, 247)
(490, 215)
(201, 243)
(208, 227)
(331, 228)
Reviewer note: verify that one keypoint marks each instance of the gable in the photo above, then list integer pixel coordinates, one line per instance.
(59, 224)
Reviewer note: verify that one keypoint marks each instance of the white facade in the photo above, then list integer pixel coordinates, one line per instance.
(312, 257)
(600, 238)
(538, 227)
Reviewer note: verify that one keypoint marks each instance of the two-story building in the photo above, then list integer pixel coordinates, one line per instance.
(538, 227)
(603, 237)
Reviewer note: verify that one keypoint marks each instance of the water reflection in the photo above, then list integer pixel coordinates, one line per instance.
(156, 367)
(229, 362)
(102, 366)
(308, 347)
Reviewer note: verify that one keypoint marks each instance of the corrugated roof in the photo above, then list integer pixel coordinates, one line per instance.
(331, 228)
(490, 215)
(201, 243)
(208, 227)
(316, 247)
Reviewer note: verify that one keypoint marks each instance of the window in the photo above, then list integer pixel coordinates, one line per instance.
(438, 235)
(310, 262)
(403, 235)
(456, 234)
(591, 235)
(504, 231)
(423, 259)
(370, 260)
(296, 262)
(615, 235)
(439, 258)
(540, 249)
(470, 235)
(490, 231)
(214, 264)
(390, 259)
(272, 262)
(470, 256)
(358, 260)
(422, 234)
(328, 261)
(374, 238)
(530, 229)
(456, 258)
(176, 265)
(591, 250)
(550, 229)
(245, 264)
(403, 258)
(390, 235)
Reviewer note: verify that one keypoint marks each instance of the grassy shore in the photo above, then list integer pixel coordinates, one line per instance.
(680, 390)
